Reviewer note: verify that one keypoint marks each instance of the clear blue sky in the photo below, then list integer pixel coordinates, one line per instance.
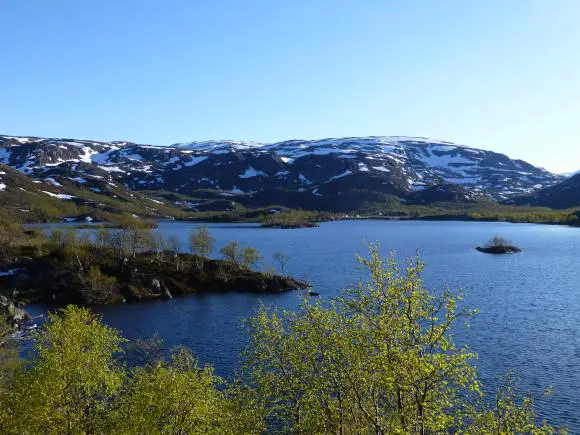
(502, 75)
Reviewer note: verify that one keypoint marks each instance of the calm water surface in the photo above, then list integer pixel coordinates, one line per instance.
(529, 303)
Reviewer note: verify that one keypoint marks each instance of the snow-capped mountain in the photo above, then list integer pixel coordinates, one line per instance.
(308, 173)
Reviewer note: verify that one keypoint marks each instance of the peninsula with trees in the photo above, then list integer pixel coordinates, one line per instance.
(129, 263)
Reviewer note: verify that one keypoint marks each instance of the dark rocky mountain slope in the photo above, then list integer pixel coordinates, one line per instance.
(565, 194)
(331, 174)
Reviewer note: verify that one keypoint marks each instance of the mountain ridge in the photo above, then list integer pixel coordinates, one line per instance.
(562, 195)
(327, 173)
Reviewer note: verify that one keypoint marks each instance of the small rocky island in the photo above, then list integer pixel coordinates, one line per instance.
(498, 245)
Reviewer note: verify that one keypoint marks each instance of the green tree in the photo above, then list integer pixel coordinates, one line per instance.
(510, 411)
(250, 257)
(173, 245)
(9, 366)
(282, 260)
(159, 245)
(56, 238)
(181, 397)
(72, 379)
(232, 253)
(201, 243)
(103, 237)
(139, 239)
(379, 359)
(120, 242)
(132, 237)
(98, 287)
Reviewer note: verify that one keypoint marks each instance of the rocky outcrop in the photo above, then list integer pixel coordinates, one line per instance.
(13, 314)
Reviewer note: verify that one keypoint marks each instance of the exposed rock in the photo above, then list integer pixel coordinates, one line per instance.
(15, 316)
(166, 294)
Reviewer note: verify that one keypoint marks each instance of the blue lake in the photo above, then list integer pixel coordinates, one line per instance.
(529, 303)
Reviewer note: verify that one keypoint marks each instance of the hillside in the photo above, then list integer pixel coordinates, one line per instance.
(343, 174)
(565, 194)
(58, 197)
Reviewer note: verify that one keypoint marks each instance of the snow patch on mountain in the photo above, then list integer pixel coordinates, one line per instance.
(52, 181)
(251, 172)
(58, 195)
(344, 174)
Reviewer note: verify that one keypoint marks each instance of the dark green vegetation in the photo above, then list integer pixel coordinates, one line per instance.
(128, 264)
(473, 211)
(379, 359)
(295, 219)
(388, 207)
(485, 211)
(498, 245)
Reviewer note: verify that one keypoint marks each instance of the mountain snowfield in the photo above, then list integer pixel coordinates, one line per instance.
(410, 168)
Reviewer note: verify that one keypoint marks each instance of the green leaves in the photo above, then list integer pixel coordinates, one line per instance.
(378, 359)
(178, 397)
(201, 243)
(73, 378)
(247, 257)
(74, 384)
